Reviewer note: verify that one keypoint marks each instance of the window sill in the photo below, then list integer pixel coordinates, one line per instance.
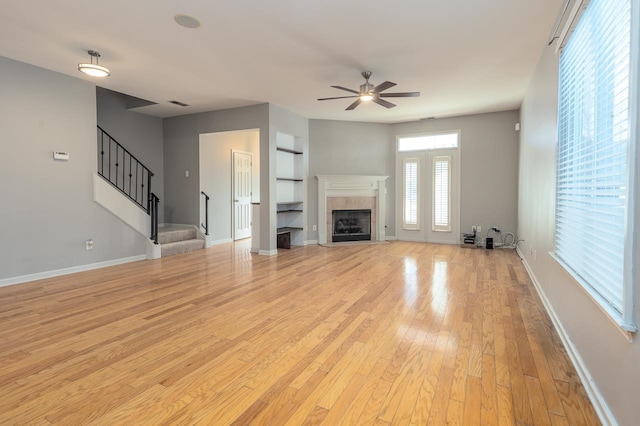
(628, 329)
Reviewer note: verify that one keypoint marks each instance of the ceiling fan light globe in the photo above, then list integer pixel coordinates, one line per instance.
(366, 98)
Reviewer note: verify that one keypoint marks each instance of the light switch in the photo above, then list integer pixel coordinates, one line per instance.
(186, 173)
(59, 155)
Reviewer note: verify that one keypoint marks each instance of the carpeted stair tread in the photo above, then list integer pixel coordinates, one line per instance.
(179, 247)
(174, 235)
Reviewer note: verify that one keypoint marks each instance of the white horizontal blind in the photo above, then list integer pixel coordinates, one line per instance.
(441, 193)
(410, 193)
(593, 142)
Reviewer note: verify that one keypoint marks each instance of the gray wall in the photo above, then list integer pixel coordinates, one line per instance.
(181, 153)
(488, 166)
(350, 148)
(140, 134)
(611, 360)
(47, 209)
(489, 163)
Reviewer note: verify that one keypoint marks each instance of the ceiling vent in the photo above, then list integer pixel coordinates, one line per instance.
(182, 104)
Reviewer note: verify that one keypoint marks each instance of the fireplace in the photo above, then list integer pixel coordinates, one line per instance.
(351, 225)
(347, 192)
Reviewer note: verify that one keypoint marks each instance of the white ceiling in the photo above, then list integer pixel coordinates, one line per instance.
(464, 56)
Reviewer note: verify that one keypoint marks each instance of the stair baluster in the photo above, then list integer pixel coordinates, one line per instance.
(205, 225)
(137, 174)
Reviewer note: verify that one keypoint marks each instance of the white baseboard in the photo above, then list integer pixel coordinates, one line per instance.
(310, 242)
(268, 252)
(218, 242)
(67, 271)
(391, 238)
(598, 401)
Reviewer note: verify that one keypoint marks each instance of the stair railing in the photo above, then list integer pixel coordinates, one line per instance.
(128, 175)
(153, 202)
(124, 171)
(205, 225)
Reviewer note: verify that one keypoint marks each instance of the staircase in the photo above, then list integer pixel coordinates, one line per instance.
(126, 175)
(175, 239)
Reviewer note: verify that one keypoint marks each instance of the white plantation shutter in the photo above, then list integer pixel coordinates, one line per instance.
(410, 193)
(442, 193)
(593, 142)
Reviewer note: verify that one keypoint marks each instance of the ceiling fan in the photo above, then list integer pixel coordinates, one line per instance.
(369, 92)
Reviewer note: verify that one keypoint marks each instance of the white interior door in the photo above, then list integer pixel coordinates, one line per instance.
(241, 195)
(428, 188)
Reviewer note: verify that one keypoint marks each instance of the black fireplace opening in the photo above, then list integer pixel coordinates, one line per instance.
(351, 225)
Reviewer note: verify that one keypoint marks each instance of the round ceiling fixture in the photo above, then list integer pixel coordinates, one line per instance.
(94, 70)
(186, 21)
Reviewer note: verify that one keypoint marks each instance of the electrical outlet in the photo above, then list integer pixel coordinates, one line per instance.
(88, 245)
(479, 228)
(535, 255)
(474, 228)
(315, 227)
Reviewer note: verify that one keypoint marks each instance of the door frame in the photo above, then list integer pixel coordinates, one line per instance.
(425, 204)
(233, 192)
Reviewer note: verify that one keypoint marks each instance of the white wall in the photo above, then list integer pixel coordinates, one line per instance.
(46, 207)
(216, 175)
(603, 350)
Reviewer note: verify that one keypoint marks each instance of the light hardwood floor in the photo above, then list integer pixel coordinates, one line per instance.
(400, 333)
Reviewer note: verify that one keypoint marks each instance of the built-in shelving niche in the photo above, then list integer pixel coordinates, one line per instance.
(290, 191)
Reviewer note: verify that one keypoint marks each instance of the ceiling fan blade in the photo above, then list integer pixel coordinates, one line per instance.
(348, 90)
(354, 105)
(400, 95)
(384, 103)
(337, 97)
(384, 86)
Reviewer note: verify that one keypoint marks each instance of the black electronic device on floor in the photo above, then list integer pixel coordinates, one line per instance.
(488, 243)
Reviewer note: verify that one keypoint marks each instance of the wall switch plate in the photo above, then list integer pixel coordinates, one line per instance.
(59, 155)
(315, 227)
(474, 228)
(479, 228)
(88, 245)
(186, 173)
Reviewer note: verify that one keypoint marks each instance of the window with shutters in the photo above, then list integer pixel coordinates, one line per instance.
(410, 195)
(441, 193)
(594, 167)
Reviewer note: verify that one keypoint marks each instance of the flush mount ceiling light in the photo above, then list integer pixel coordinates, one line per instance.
(92, 69)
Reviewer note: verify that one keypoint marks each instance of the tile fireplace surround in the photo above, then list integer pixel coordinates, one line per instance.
(339, 192)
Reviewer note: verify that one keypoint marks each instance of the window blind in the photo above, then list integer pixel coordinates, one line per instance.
(593, 143)
(411, 173)
(441, 193)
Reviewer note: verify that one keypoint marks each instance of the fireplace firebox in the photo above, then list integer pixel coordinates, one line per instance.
(351, 225)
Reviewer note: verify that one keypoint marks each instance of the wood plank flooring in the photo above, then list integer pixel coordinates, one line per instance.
(400, 333)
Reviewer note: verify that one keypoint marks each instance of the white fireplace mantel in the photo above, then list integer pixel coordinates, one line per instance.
(351, 186)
